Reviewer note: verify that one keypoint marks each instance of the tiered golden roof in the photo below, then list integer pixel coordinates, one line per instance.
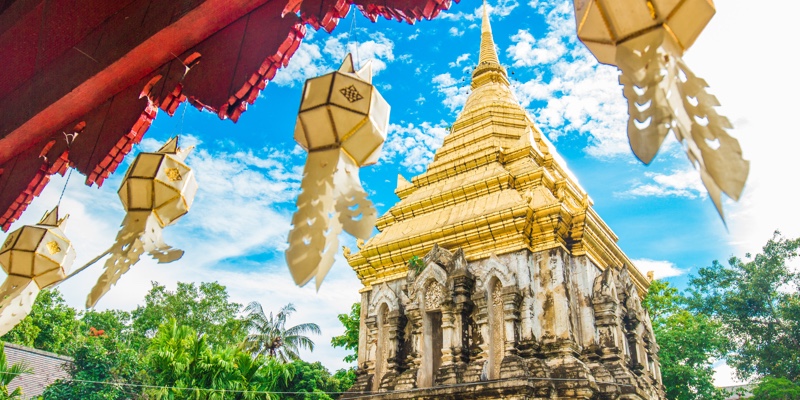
(495, 186)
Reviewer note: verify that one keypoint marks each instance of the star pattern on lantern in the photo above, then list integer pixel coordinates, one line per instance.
(53, 248)
(341, 134)
(351, 94)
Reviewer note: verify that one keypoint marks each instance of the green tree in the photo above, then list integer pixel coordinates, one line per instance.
(312, 381)
(186, 366)
(206, 309)
(689, 343)
(104, 359)
(52, 325)
(776, 389)
(757, 301)
(270, 337)
(7, 374)
(349, 340)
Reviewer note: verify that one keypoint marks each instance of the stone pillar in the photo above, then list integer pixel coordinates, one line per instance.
(362, 329)
(408, 379)
(560, 348)
(475, 370)
(511, 303)
(611, 340)
(448, 333)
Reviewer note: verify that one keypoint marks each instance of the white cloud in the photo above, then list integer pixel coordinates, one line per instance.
(455, 94)
(413, 145)
(414, 35)
(529, 52)
(378, 48)
(420, 100)
(307, 62)
(680, 183)
(660, 268)
(310, 60)
(570, 92)
(456, 32)
(459, 60)
(496, 12)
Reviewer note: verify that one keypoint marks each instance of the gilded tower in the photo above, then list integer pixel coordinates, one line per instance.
(493, 276)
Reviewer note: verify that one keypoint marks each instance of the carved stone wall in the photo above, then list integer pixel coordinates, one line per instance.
(535, 325)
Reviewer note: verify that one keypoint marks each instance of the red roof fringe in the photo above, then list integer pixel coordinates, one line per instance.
(323, 14)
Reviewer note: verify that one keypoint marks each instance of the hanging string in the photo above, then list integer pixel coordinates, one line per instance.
(183, 116)
(351, 37)
(69, 138)
(352, 395)
(69, 174)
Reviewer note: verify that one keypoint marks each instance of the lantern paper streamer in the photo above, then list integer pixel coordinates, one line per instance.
(646, 40)
(34, 257)
(157, 190)
(342, 124)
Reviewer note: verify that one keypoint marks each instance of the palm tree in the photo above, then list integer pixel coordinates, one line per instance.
(7, 374)
(270, 337)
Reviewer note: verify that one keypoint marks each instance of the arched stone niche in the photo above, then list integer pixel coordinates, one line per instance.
(496, 314)
(383, 326)
(429, 295)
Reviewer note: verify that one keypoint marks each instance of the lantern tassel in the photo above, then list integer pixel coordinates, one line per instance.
(332, 199)
(140, 233)
(665, 95)
(16, 301)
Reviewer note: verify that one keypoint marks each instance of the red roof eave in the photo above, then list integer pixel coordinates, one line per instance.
(107, 81)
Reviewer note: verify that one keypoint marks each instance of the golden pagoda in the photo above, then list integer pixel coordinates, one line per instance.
(493, 276)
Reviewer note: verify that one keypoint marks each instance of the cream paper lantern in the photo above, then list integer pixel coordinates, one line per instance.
(34, 257)
(646, 39)
(342, 123)
(157, 190)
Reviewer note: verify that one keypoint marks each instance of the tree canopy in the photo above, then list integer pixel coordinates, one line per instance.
(269, 336)
(349, 339)
(757, 301)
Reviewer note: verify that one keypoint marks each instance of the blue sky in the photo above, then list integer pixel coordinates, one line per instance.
(249, 172)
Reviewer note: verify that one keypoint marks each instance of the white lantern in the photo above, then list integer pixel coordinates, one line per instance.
(34, 257)
(342, 123)
(646, 39)
(157, 190)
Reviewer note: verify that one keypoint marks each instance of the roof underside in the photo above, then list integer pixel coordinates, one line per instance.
(103, 69)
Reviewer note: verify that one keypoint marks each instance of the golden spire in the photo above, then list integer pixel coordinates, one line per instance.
(489, 68)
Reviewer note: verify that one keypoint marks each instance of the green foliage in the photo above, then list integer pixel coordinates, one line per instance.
(312, 380)
(416, 264)
(776, 389)
(52, 325)
(349, 340)
(186, 366)
(688, 342)
(7, 374)
(757, 301)
(101, 358)
(270, 337)
(206, 309)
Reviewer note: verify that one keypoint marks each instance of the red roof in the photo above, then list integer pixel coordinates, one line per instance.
(103, 69)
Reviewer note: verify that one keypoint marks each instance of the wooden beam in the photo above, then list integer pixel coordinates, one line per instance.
(25, 127)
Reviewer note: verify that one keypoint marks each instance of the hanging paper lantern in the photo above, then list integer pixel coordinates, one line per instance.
(34, 257)
(342, 124)
(157, 190)
(646, 39)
